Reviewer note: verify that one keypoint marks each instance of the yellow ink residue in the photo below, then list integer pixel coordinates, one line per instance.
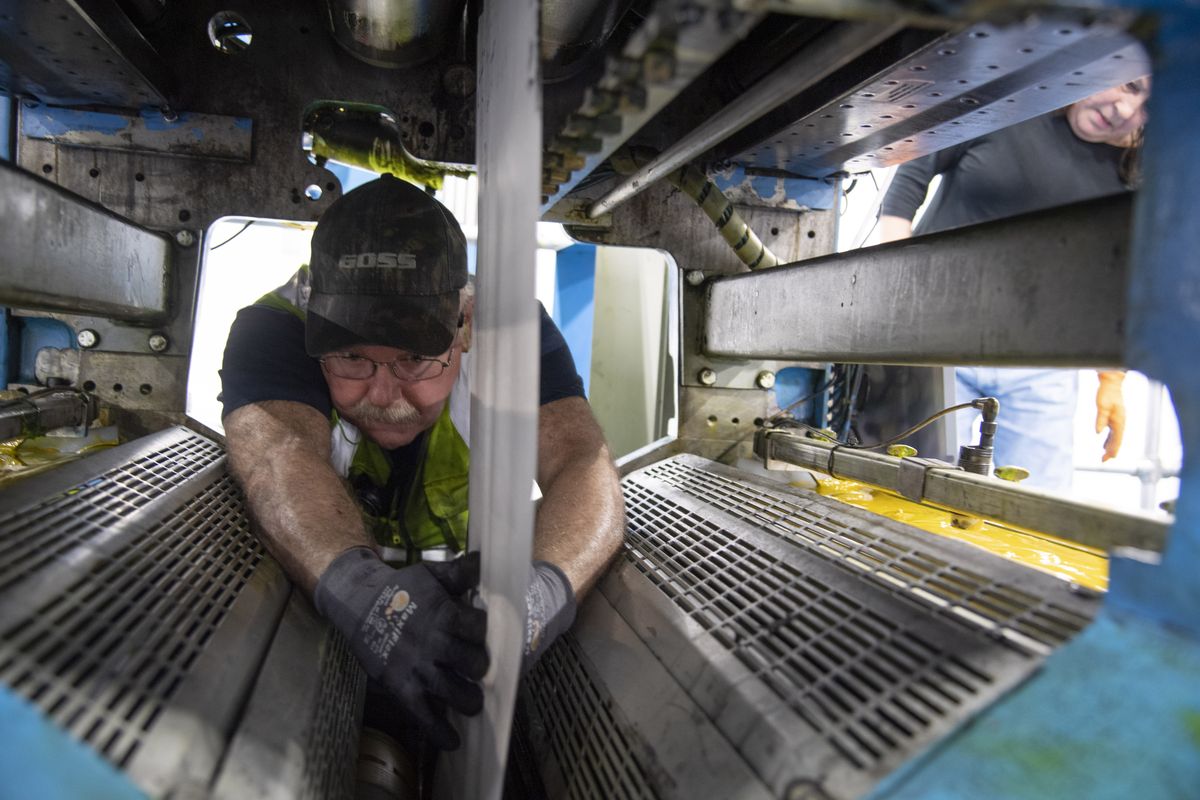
(1061, 558)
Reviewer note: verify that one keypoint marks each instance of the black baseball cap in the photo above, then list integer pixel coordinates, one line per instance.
(388, 261)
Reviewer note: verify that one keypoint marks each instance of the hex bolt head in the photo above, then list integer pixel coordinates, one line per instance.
(87, 338)
(765, 379)
(694, 277)
(185, 238)
(158, 342)
(707, 377)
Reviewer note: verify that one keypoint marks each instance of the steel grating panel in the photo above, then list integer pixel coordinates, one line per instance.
(955, 579)
(827, 646)
(331, 755)
(44, 530)
(104, 657)
(137, 604)
(593, 752)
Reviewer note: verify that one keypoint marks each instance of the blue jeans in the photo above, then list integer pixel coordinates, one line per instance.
(1037, 419)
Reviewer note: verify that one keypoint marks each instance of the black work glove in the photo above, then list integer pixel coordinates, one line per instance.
(413, 631)
(549, 610)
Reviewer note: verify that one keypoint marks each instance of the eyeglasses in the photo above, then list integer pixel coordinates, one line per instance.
(406, 368)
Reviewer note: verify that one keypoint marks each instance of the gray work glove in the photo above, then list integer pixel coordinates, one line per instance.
(549, 610)
(413, 631)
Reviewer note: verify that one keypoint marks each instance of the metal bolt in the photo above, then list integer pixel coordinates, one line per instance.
(694, 277)
(901, 450)
(185, 238)
(459, 80)
(158, 342)
(707, 377)
(169, 114)
(764, 379)
(87, 338)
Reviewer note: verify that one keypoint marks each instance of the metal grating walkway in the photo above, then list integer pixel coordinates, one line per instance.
(593, 753)
(945, 576)
(137, 610)
(875, 637)
(102, 654)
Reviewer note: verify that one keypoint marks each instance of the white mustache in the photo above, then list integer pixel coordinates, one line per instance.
(400, 412)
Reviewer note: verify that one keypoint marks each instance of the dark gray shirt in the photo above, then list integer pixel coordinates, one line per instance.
(1030, 166)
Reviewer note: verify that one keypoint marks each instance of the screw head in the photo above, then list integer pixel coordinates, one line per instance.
(765, 379)
(185, 238)
(901, 450)
(694, 277)
(87, 338)
(459, 80)
(707, 376)
(158, 342)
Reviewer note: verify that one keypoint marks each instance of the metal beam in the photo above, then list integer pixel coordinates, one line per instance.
(800, 72)
(59, 252)
(976, 495)
(956, 88)
(670, 49)
(1042, 289)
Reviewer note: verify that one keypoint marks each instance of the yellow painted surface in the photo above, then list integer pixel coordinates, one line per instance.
(21, 458)
(1064, 559)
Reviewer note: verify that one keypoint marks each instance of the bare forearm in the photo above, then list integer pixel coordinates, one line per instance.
(279, 453)
(894, 228)
(581, 520)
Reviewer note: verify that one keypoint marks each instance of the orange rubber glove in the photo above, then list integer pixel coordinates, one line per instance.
(1110, 411)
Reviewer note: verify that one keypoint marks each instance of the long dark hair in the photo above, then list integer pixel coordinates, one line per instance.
(1130, 166)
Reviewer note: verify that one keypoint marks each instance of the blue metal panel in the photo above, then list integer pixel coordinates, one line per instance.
(796, 383)
(1116, 713)
(6, 112)
(1164, 311)
(778, 192)
(34, 334)
(186, 134)
(39, 760)
(574, 304)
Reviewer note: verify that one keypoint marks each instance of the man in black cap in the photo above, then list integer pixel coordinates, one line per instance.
(346, 412)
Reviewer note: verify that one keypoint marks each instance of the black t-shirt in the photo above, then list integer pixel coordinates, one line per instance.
(1036, 164)
(265, 360)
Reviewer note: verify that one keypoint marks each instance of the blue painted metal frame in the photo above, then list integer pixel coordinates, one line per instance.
(575, 302)
(1116, 713)
(40, 760)
(34, 333)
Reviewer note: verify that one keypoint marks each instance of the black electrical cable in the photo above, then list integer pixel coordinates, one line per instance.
(777, 415)
(927, 421)
(231, 238)
(25, 398)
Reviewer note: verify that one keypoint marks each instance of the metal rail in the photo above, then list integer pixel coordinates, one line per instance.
(976, 295)
(975, 495)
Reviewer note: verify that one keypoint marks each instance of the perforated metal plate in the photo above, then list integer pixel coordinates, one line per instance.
(1029, 610)
(577, 724)
(136, 608)
(868, 642)
(298, 735)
